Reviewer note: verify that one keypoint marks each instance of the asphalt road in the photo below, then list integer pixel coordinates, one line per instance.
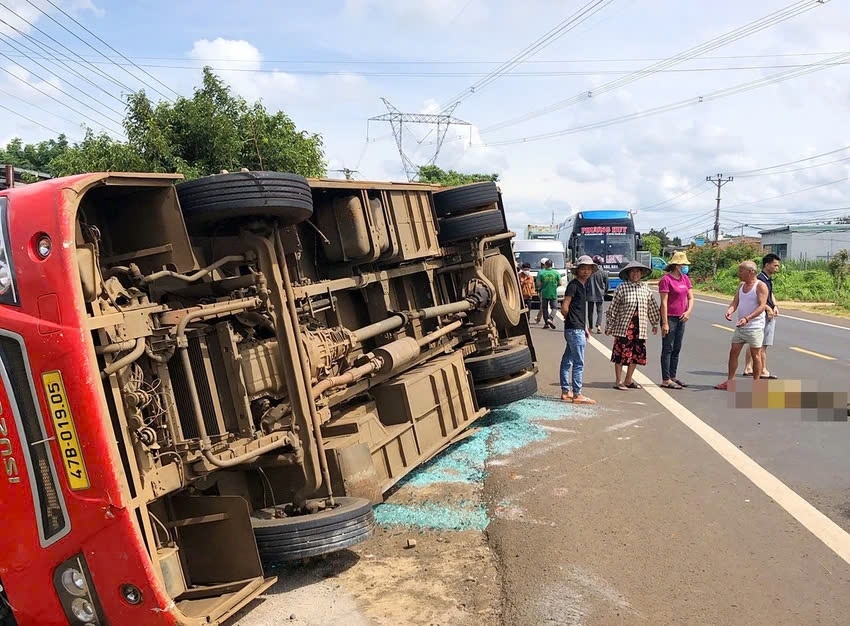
(635, 512)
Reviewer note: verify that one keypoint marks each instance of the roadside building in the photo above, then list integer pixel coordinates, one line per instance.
(725, 242)
(807, 241)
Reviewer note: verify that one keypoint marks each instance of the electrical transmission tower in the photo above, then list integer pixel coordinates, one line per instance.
(397, 119)
(349, 174)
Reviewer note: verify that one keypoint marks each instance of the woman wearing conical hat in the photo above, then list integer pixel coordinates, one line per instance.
(632, 312)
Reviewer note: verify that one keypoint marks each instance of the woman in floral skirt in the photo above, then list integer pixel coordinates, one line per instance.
(632, 312)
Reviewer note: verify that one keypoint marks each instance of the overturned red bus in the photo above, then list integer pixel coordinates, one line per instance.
(200, 379)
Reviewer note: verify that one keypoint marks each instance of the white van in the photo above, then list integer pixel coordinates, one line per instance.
(532, 250)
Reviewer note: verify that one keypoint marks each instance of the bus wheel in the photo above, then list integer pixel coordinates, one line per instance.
(505, 360)
(302, 536)
(471, 225)
(284, 197)
(506, 391)
(458, 200)
(507, 309)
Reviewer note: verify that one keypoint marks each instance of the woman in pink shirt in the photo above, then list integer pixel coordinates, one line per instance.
(677, 302)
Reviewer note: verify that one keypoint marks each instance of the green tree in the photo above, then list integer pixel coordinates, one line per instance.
(652, 243)
(839, 267)
(33, 156)
(435, 175)
(197, 136)
(662, 236)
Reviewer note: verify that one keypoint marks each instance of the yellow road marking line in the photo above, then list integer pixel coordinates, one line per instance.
(721, 327)
(817, 354)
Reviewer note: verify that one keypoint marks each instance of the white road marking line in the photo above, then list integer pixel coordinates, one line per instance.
(810, 353)
(556, 429)
(813, 520)
(783, 316)
(722, 327)
(621, 425)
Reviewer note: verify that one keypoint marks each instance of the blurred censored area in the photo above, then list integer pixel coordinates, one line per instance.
(814, 403)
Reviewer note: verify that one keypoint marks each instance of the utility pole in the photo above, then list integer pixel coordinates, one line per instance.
(719, 181)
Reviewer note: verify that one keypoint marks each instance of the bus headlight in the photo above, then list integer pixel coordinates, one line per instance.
(8, 288)
(73, 584)
(84, 611)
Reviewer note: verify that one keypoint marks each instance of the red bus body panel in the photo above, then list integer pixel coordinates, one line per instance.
(100, 525)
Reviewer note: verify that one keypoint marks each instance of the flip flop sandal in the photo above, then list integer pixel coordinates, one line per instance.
(721, 386)
(621, 387)
(679, 382)
(634, 385)
(771, 377)
(671, 385)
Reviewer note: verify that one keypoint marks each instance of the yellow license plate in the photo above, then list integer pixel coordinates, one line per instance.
(66, 433)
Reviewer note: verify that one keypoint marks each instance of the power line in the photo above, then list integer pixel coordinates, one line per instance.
(29, 119)
(536, 46)
(790, 193)
(35, 55)
(67, 106)
(95, 69)
(762, 171)
(472, 62)
(45, 13)
(40, 108)
(751, 28)
(686, 191)
(47, 69)
(715, 95)
(445, 74)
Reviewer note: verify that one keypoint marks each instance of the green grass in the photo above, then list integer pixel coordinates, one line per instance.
(799, 281)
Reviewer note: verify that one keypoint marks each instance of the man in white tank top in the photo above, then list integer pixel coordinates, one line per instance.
(750, 302)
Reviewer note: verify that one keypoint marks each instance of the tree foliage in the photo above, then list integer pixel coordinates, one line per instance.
(437, 176)
(652, 243)
(703, 258)
(839, 267)
(197, 136)
(662, 235)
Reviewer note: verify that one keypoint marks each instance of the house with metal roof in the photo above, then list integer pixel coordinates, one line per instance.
(806, 241)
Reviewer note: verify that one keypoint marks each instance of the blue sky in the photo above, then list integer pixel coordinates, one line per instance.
(327, 64)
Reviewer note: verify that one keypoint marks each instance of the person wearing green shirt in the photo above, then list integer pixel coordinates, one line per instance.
(547, 285)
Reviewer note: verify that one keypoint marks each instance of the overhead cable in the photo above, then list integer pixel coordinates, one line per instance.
(751, 28)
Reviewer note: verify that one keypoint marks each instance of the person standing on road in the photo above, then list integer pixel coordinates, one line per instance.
(547, 283)
(541, 267)
(677, 302)
(526, 286)
(750, 301)
(576, 333)
(770, 265)
(632, 310)
(597, 287)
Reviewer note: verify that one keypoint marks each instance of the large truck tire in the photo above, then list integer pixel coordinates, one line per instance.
(507, 309)
(506, 391)
(471, 226)
(299, 537)
(458, 200)
(501, 362)
(284, 197)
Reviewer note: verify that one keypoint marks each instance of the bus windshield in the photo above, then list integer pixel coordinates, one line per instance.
(557, 258)
(614, 249)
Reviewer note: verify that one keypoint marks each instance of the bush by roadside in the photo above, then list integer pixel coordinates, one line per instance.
(800, 281)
